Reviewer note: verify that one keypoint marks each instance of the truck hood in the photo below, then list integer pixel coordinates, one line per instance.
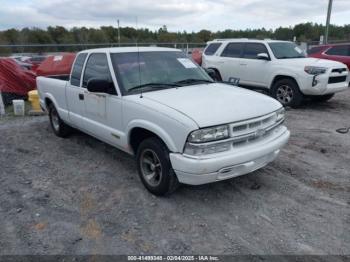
(214, 104)
(310, 61)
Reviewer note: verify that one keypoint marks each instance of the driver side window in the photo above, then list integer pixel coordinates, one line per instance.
(97, 67)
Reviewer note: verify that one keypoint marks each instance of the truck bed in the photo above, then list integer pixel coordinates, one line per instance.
(55, 89)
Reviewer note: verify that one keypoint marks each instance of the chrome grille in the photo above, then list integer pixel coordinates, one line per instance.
(253, 130)
(253, 125)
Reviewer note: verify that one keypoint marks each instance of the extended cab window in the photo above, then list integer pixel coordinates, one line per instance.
(77, 69)
(97, 67)
(252, 50)
(341, 50)
(233, 50)
(212, 48)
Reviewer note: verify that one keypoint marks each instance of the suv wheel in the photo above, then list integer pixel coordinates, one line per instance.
(216, 76)
(58, 126)
(154, 167)
(323, 98)
(287, 92)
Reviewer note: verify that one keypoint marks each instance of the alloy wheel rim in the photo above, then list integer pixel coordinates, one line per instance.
(284, 94)
(151, 167)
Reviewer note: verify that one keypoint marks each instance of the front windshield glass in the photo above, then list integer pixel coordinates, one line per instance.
(156, 70)
(285, 50)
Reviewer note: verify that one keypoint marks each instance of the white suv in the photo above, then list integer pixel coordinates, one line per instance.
(278, 67)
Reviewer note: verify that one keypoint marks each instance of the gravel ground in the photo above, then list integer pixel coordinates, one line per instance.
(81, 196)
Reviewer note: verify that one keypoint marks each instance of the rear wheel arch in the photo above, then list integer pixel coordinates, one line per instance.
(218, 74)
(60, 128)
(48, 102)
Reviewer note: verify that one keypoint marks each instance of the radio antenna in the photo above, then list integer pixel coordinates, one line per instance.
(138, 55)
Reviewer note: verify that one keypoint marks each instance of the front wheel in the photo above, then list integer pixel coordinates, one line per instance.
(287, 92)
(154, 167)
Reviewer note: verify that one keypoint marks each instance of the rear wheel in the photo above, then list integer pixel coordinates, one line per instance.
(322, 98)
(216, 76)
(287, 92)
(58, 126)
(154, 167)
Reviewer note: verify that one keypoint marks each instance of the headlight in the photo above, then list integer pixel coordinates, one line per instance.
(209, 134)
(206, 149)
(315, 70)
(280, 114)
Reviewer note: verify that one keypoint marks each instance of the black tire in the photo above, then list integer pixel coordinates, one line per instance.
(287, 92)
(60, 128)
(217, 77)
(164, 180)
(322, 98)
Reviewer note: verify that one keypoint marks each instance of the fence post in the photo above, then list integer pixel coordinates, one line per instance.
(2, 107)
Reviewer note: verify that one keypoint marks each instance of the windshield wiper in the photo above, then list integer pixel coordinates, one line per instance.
(290, 57)
(154, 85)
(193, 81)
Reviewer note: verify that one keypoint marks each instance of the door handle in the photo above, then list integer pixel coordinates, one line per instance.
(81, 96)
(243, 64)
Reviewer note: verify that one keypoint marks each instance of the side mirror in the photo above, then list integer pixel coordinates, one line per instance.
(97, 85)
(263, 56)
(211, 72)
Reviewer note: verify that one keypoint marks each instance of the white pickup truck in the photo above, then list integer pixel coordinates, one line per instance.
(278, 67)
(158, 105)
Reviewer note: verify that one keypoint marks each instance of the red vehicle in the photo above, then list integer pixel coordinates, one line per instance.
(336, 52)
(35, 61)
(197, 56)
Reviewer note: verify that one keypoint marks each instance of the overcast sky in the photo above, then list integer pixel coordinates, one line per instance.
(178, 15)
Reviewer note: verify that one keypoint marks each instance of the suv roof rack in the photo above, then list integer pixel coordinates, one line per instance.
(228, 39)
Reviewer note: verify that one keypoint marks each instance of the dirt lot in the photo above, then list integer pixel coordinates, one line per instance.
(81, 196)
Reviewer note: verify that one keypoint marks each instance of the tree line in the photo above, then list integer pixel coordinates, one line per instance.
(58, 35)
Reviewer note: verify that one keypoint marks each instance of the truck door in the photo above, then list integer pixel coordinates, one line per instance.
(228, 62)
(102, 111)
(75, 93)
(254, 71)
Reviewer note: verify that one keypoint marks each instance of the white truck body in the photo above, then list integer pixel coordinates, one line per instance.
(172, 114)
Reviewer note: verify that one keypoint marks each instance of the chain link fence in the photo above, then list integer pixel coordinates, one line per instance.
(46, 49)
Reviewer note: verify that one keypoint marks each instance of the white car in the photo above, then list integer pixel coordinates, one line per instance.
(278, 67)
(156, 104)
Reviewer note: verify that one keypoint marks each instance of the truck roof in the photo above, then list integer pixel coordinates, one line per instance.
(130, 49)
(245, 40)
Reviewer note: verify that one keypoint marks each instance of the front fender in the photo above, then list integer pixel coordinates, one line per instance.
(159, 131)
(293, 75)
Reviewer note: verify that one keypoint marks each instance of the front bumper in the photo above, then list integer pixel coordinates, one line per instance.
(197, 171)
(323, 87)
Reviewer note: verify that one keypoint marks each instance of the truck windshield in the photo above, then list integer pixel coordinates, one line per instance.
(286, 50)
(150, 71)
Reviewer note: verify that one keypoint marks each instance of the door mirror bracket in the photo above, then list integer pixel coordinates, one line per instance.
(263, 56)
